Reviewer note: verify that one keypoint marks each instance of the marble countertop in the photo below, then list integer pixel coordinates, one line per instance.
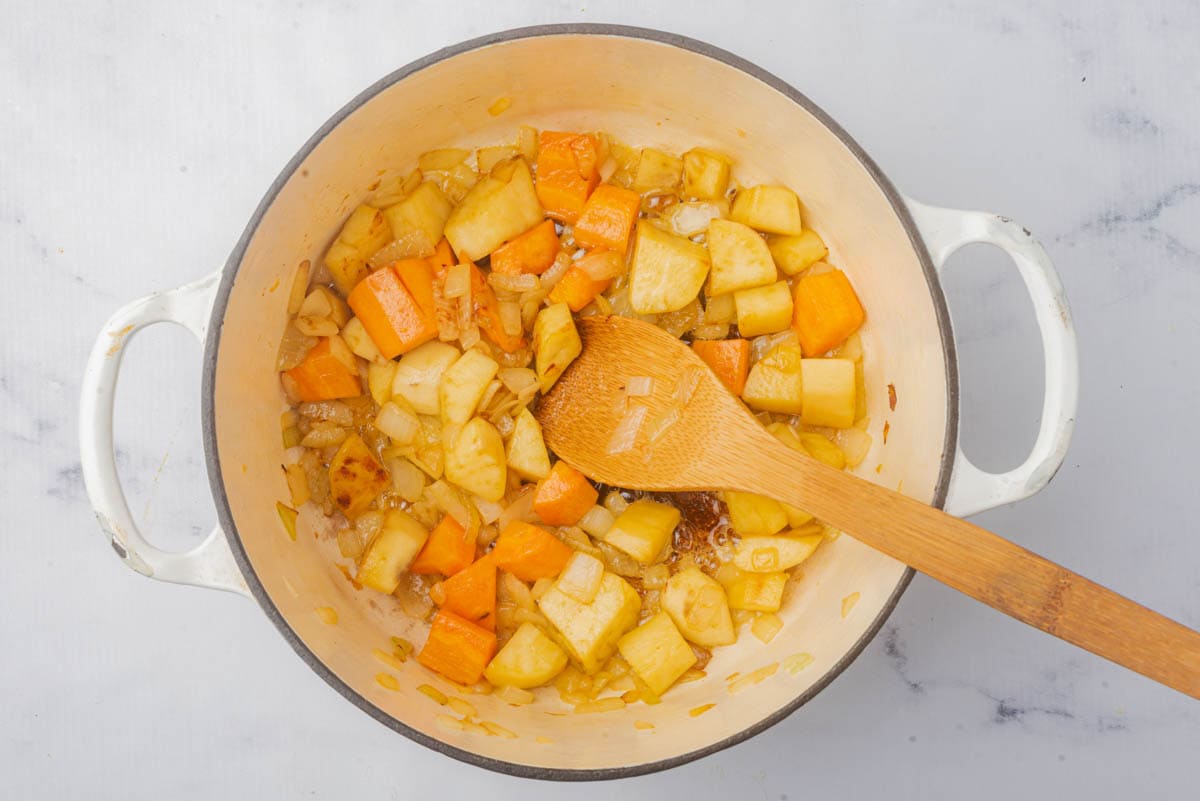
(140, 136)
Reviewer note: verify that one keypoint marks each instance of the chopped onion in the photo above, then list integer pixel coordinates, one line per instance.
(333, 411)
(639, 386)
(450, 501)
(299, 287)
(399, 424)
(760, 346)
(685, 385)
(718, 331)
(602, 265)
(689, 219)
(659, 425)
(855, 444)
(513, 696)
(607, 168)
(293, 348)
(469, 337)
(562, 262)
(489, 511)
(412, 245)
(615, 502)
(521, 509)
(458, 281)
(766, 626)
(626, 432)
(523, 282)
(510, 317)
(516, 379)
(316, 304)
(339, 350)
(408, 480)
(596, 521)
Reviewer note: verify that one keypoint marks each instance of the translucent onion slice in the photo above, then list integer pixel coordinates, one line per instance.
(625, 434)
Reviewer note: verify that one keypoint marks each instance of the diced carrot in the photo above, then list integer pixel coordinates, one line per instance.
(563, 496)
(608, 218)
(443, 256)
(576, 288)
(728, 358)
(531, 252)
(322, 376)
(487, 314)
(471, 593)
(448, 550)
(417, 277)
(825, 311)
(530, 552)
(394, 319)
(457, 648)
(566, 173)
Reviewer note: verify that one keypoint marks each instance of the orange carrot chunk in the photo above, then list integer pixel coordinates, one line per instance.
(443, 256)
(728, 358)
(487, 314)
(393, 318)
(564, 496)
(457, 648)
(531, 252)
(417, 277)
(448, 550)
(322, 376)
(576, 288)
(608, 218)
(530, 552)
(471, 593)
(566, 173)
(825, 310)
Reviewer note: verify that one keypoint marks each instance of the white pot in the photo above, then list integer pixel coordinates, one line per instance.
(647, 88)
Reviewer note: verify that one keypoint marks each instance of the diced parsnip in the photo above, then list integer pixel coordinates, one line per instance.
(753, 515)
(774, 383)
(784, 433)
(488, 157)
(365, 231)
(391, 551)
(667, 271)
(556, 343)
(419, 219)
(526, 449)
(359, 341)
(764, 309)
(657, 652)
(643, 529)
(493, 212)
(740, 259)
(475, 460)
(463, 384)
(754, 592)
(419, 374)
(794, 254)
(657, 170)
(590, 631)
(705, 174)
(355, 477)
(528, 659)
(774, 554)
(828, 392)
(580, 579)
(380, 376)
(823, 450)
(698, 606)
(770, 209)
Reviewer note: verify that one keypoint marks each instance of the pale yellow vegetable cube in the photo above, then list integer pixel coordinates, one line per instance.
(366, 230)
(705, 174)
(755, 592)
(590, 631)
(581, 578)
(657, 170)
(794, 254)
(829, 392)
(347, 265)
(420, 217)
(356, 336)
(380, 376)
(822, 449)
(753, 515)
(493, 212)
(419, 374)
(774, 554)
(355, 477)
(526, 449)
(770, 209)
(475, 460)
(643, 529)
(463, 384)
(391, 551)
(774, 383)
(740, 258)
(698, 606)
(667, 271)
(657, 652)
(556, 343)
(528, 659)
(763, 309)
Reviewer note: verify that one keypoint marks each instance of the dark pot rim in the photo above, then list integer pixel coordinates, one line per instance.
(214, 340)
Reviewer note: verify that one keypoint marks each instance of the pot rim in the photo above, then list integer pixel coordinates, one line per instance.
(212, 346)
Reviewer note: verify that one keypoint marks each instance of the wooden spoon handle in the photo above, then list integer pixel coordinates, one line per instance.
(986, 567)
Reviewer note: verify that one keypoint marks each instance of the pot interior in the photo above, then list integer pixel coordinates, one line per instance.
(644, 92)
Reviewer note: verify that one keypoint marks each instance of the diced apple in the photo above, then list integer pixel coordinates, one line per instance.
(770, 209)
(698, 606)
(526, 449)
(828, 392)
(754, 592)
(740, 258)
(657, 652)
(590, 631)
(643, 529)
(420, 218)
(774, 383)
(794, 254)
(528, 659)
(493, 212)
(763, 309)
(355, 477)
(705, 174)
(419, 374)
(463, 384)
(657, 170)
(475, 460)
(365, 231)
(753, 515)
(667, 270)
(581, 578)
(380, 376)
(774, 554)
(556, 343)
(356, 336)
(391, 551)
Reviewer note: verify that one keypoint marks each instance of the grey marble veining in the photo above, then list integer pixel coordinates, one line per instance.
(139, 137)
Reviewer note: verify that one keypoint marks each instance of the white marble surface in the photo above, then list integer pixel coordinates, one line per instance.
(138, 138)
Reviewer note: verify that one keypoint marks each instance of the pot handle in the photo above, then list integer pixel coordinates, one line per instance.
(944, 231)
(211, 563)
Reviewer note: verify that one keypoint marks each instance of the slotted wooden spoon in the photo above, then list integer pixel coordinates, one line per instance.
(717, 444)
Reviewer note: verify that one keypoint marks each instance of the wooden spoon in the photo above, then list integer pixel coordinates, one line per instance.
(717, 444)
